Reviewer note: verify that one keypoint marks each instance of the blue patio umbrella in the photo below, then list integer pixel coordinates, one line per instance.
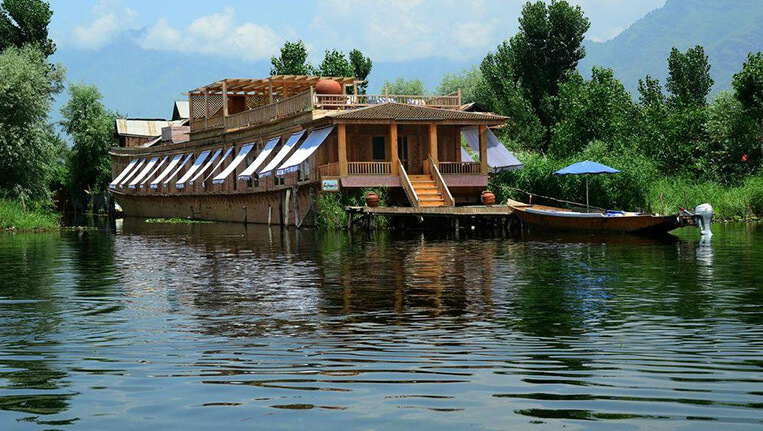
(586, 168)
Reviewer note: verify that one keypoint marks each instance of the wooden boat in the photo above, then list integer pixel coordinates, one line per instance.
(552, 218)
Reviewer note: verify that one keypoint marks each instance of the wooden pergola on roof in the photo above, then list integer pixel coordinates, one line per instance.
(277, 86)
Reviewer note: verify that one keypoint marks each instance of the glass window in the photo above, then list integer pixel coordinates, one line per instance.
(379, 148)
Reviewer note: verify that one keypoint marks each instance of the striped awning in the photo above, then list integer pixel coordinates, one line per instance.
(287, 147)
(313, 141)
(259, 160)
(234, 164)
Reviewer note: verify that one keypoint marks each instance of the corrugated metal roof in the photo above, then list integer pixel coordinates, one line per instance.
(144, 128)
(406, 112)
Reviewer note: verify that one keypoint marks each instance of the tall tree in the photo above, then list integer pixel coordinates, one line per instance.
(549, 44)
(748, 87)
(27, 142)
(25, 22)
(292, 61)
(91, 127)
(361, 67)
(335, 64)
(689, 80)
(468, 81)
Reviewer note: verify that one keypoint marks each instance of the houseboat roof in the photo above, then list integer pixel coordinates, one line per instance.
(402, 112)
(280, 85)
(143, 127)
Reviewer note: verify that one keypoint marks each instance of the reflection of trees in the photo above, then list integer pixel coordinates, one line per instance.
(30, 314)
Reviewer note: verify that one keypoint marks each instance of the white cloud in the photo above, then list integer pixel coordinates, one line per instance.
(110, 19)
(216, 34)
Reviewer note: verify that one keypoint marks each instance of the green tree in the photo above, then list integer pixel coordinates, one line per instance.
(361, 67)
(748, 87)
(335, 64)
(468, 81)
(500, 92)
(596, 110)
(732, 139)
(25, 22)
(28, 150)
(689, 80)
(292, 61)
(652, 119)
(91, 128)
(402, 86)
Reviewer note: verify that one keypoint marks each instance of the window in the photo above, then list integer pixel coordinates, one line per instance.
(378, 147)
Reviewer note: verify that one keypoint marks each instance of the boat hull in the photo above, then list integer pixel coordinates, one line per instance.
(636, 224)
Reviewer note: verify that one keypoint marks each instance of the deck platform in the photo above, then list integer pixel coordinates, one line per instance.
(493, 219)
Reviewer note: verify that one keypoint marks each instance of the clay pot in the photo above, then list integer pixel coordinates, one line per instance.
(328, 86)
(488, 198)
(372, 200)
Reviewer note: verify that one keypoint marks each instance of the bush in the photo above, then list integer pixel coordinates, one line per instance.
(330, 208)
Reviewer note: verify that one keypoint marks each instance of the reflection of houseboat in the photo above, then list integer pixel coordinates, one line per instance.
(259, 150)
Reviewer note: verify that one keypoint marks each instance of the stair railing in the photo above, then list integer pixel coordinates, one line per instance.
(408, 187)
(440, 183)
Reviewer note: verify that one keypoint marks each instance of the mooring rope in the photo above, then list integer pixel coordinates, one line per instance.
(553, 199)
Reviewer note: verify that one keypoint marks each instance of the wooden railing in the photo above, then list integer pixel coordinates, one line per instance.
(440, 183)
(284, 108)
(369, 168)
(329, 170)
(344, 101)
(465, 168)
(407, 186)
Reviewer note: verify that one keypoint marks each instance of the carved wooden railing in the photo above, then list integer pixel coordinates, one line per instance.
(344, 101)
(407, 186)
(464, 168)
(369, 168)
(440, 183)
(329, 170)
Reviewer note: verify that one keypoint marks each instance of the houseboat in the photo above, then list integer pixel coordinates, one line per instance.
(261, 150)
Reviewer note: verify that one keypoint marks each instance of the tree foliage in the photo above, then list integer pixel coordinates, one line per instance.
(402, 86)
(335, 64)
(25, 22)
(28, 145)
(748, 85)
(292, 60)
(91, 128)
(689, 80)
(361, 67)
(536, 60)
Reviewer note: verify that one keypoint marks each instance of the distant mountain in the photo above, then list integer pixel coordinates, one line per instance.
(727, 29)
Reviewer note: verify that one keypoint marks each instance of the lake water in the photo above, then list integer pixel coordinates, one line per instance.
(221, 326)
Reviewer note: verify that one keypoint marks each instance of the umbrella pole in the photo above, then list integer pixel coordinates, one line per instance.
(586, 195)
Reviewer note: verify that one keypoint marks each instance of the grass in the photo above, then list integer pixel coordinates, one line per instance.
(743, 202)
(176, 220)
(14, 217)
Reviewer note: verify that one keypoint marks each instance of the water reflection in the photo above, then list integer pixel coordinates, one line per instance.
(155, 326)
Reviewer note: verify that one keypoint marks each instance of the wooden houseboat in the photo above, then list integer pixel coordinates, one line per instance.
(261, 150)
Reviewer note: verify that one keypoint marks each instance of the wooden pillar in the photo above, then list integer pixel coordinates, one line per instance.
(206, 108)
(270, 91)
(393, 148)
(190, 109)
(483, 150)
(225, 98)
(341, 139)
(433, 142)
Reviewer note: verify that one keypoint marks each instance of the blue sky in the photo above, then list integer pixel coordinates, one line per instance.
(386, 30)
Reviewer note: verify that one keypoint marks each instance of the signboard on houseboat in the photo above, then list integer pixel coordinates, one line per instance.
(331, 185)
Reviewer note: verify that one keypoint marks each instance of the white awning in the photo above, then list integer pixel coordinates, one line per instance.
(251, 169)
(285, 150)
(151, 174)
(143, 173)
(206, 166)
(134, 172)
(170, 168)
(196, 165)
(499, 158)
(465, 156)
(234, 164)
(308, 147)
(219, 163)
(124, 172)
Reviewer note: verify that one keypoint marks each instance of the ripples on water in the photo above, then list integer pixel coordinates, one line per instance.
(202, 326)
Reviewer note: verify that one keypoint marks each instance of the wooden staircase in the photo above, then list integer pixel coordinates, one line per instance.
(426, 190)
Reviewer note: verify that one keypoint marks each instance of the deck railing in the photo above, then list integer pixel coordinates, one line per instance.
(459, 168)
(262, 114)
(329, 170)
(410, 192)
(369, 168)
(345, 101)
(440, 183)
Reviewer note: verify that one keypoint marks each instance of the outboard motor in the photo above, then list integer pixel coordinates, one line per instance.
(703, 216)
